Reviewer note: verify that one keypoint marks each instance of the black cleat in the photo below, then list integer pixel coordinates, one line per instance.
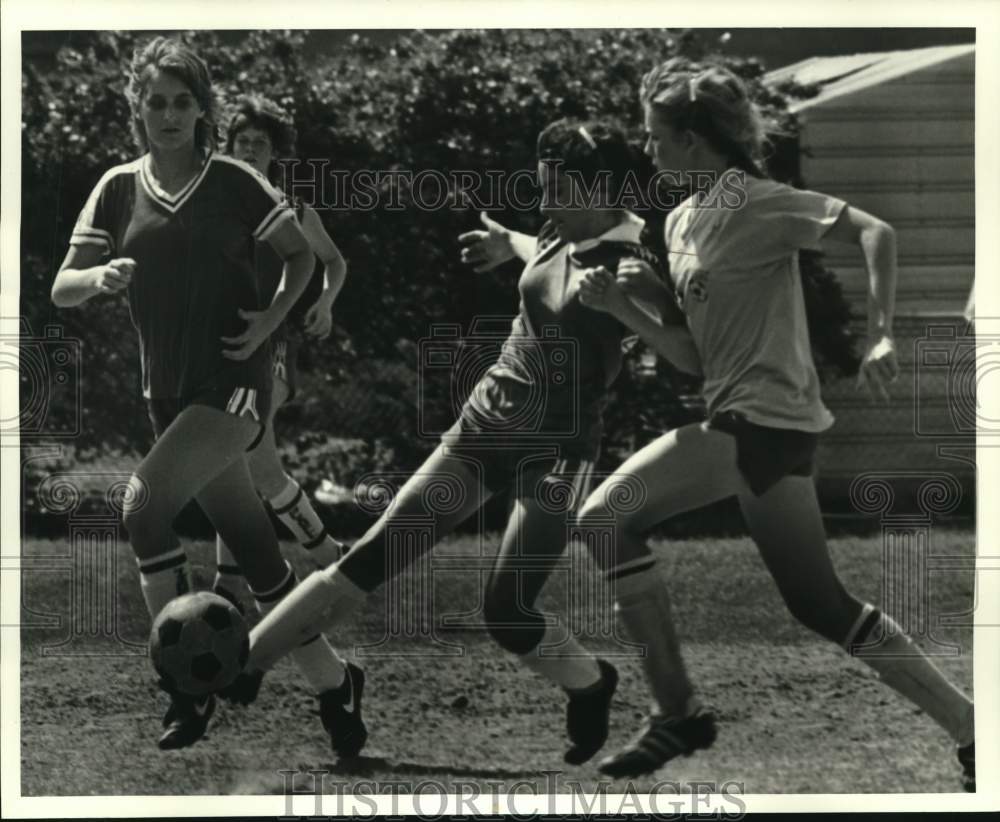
(186, 720)
(244, 689)
(587, 716)
(340, 711)
(967, 759)
(659, 742)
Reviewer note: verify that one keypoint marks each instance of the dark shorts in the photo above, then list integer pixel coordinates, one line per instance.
(240, 401)
(527, 443)
(557, 475)
(284, 354)
(766, 455)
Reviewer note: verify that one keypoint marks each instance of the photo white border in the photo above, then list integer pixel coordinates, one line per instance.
(18, 15)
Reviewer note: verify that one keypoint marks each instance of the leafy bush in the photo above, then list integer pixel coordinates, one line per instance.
(461, 100)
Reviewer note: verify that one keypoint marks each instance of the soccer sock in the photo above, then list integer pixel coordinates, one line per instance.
(569, 665)
(292, 507)
(902, 666)
(323, 599)
(163, 578)
(643, 604)
(229, 581)
(315, 657)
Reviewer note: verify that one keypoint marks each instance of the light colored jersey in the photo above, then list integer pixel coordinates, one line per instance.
(734, 261)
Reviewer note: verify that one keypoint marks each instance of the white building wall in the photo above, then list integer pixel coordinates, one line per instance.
(903, 149)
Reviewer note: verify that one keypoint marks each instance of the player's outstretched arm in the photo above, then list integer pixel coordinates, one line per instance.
(523, 245)
(877, 241)
(486, 249)
(82, 276)
(598, 290)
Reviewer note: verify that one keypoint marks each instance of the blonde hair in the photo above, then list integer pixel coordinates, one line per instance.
(713, 102)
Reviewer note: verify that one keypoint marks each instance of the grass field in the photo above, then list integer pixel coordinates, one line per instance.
(795, 715)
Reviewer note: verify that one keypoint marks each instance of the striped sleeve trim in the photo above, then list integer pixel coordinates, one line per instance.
(275, 218)
(282, 209)
(84, 231)
(93, 236)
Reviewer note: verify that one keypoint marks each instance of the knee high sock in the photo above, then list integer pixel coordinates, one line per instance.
(879, 642)
(315, 657)
(322, 600)
(229, 581)
(163, 578)
(292, 507)
(643, 605)
(570, 665)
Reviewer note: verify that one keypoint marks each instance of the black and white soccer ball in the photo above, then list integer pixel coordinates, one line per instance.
(199, 643)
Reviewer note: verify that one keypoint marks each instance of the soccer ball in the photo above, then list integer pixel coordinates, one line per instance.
(199, 643)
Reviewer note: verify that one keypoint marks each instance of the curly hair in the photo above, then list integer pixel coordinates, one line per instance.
(711, 101)
(254, 111)
(590, 148)
(174, 58)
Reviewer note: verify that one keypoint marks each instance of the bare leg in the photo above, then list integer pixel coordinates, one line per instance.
(533, 543)
(682, 470)
(200, 444)
(285, 498)
(231, 503)
(328, 596)
(786, 524)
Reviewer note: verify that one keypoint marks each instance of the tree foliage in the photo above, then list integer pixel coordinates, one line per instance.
(460, 100)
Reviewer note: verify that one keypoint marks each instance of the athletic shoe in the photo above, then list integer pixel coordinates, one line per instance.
(587, 716)
(186, 720)
(340, 711)
(659, 742)
(244, 689)
(967, 759)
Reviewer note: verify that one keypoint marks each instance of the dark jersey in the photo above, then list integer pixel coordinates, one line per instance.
(194, 253)
(568, 353)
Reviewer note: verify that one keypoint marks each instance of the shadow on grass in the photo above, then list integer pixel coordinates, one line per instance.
(371, 766)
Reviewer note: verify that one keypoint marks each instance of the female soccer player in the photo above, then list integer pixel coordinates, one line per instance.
(531, 428)
(175, 230)
(733, 262)
(259, 133)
